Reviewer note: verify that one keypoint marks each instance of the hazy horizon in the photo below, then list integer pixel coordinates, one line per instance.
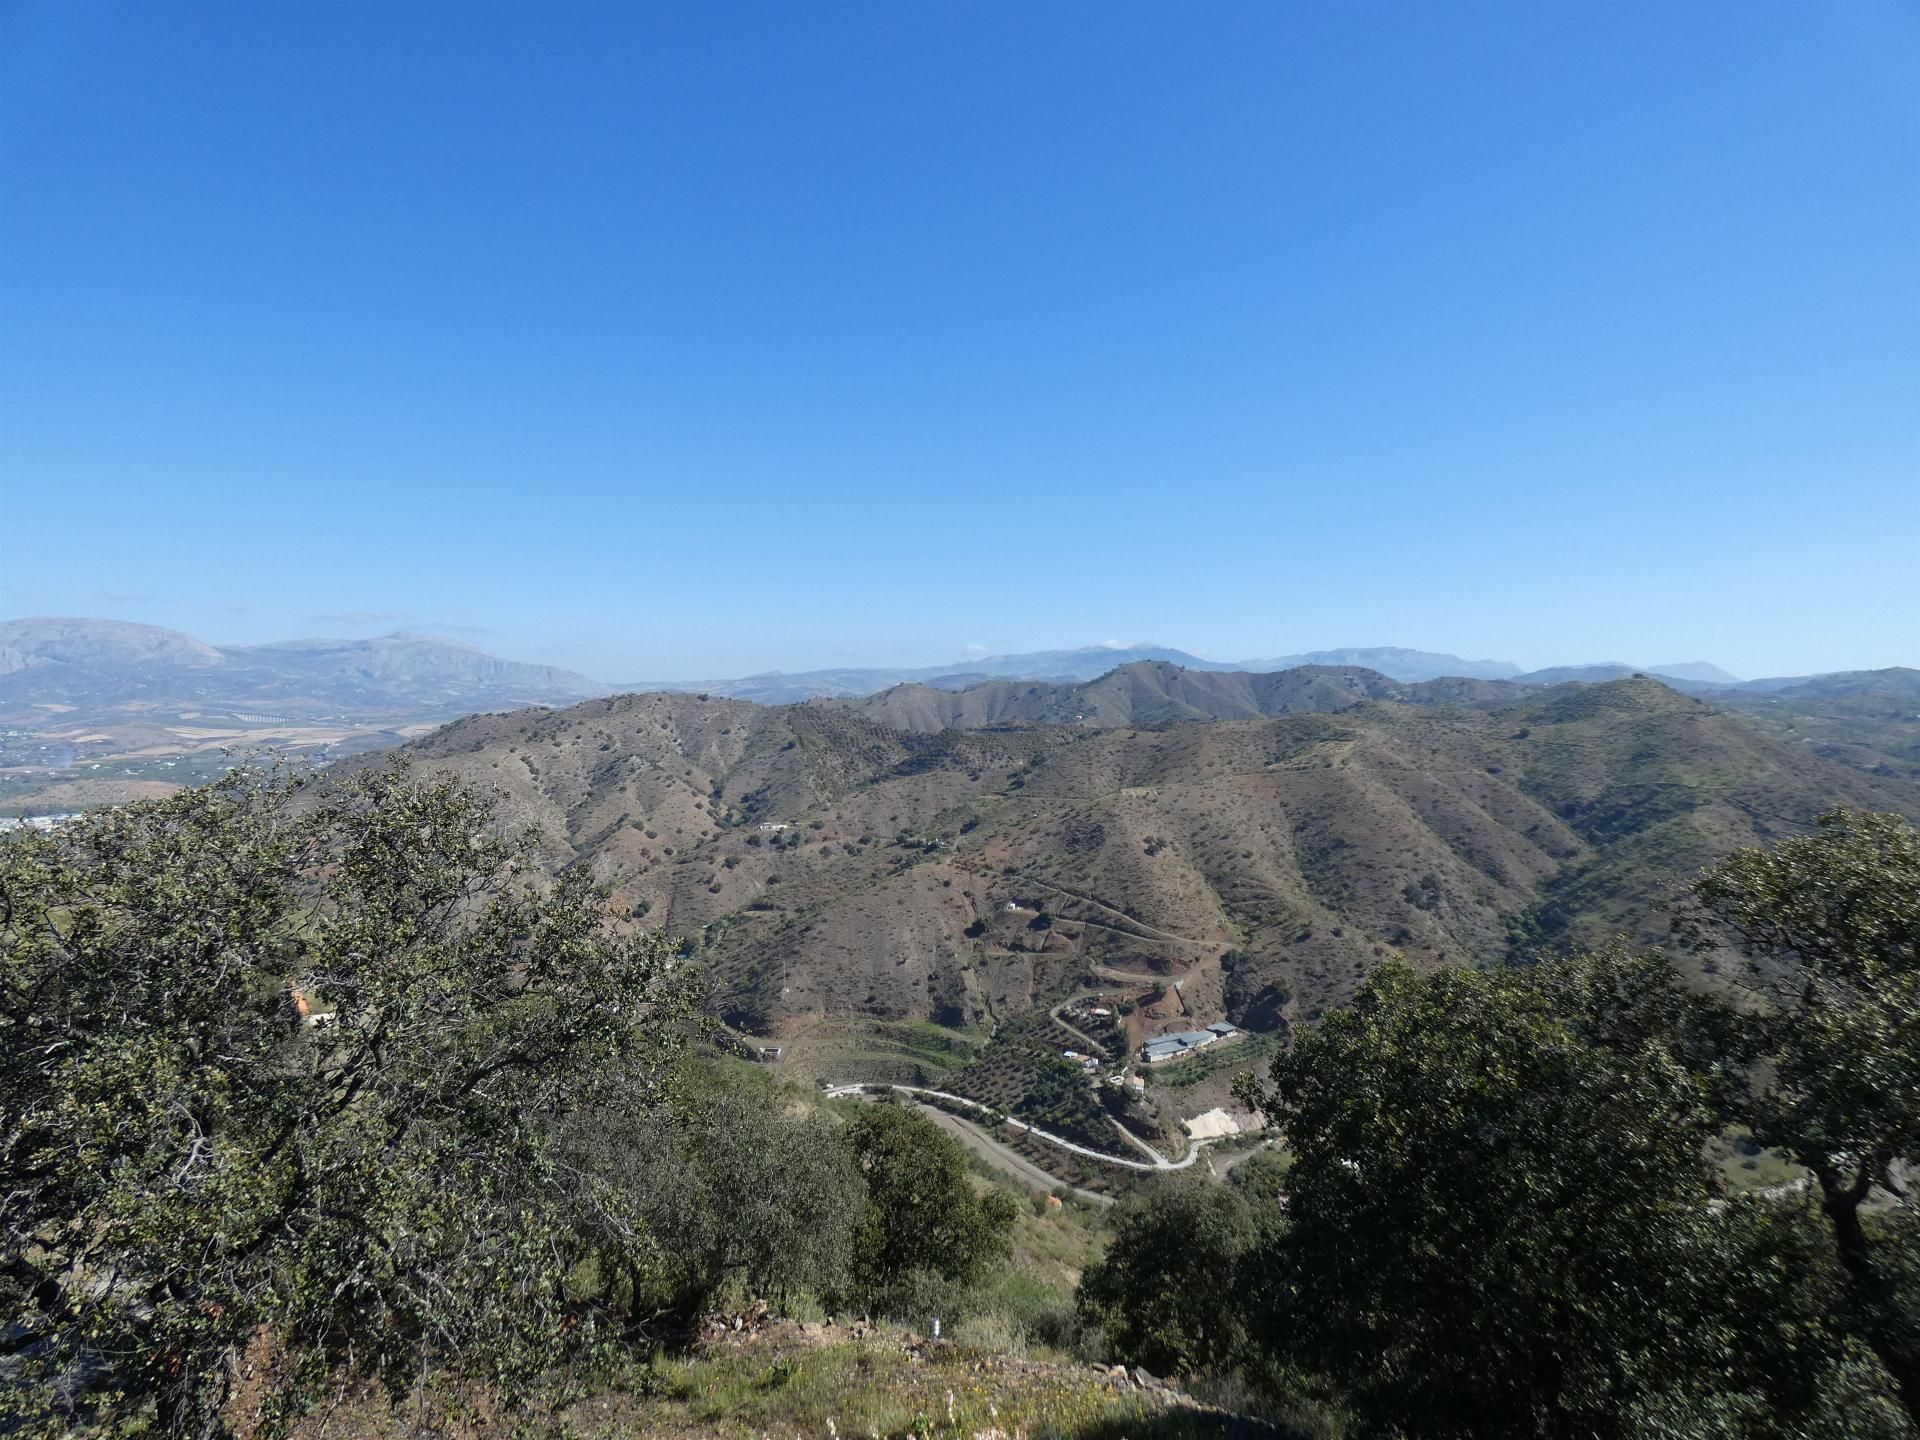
(927, 656)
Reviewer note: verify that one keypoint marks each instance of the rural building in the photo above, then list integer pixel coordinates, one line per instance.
(1185, 1042)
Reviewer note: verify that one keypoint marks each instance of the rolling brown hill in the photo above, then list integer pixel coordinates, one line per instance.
(1155, 693)
(824, 864)
(1869, 719)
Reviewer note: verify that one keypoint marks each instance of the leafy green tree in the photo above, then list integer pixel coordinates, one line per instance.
(280, 1072)
(733, 1190)
(1830, 926)
(1164, 1292)
(925, 1219)
(1497, 1228)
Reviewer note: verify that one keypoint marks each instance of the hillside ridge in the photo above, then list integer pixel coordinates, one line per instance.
(825, 865)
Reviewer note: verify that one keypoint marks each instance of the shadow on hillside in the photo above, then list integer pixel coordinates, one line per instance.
(1187, 1425)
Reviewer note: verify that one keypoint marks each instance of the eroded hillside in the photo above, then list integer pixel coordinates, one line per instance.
(827, 865)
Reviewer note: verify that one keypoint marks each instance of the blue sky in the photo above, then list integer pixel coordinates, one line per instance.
(668, 341)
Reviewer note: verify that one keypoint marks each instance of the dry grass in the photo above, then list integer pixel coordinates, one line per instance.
(812, 1381)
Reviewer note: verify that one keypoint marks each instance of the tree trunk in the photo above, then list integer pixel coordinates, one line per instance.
(1867, 1288)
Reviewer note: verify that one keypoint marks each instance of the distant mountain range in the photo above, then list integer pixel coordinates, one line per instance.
(1156, 693)
(777, 687)
(86, 667)
(1392, 661)
(89, 666)
(1090, 662)
(1869, 720)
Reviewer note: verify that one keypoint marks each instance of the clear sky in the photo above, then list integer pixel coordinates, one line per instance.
(670, 341)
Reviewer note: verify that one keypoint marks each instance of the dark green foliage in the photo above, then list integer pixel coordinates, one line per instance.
(1022, 1072)
(1238, 979)
(733, 1191)
(1058, 1099)
(1830, 926)
(925, 1224)
(1248, 1002)
(1261, 1177)
(312, 1085)
(1495, 1229)
(1165, 1293)
(1497, 1220)
(187, 1165)
(949, 1008)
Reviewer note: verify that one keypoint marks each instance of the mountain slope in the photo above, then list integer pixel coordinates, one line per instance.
(1868, 719)
(1054, 666)
(99, 644)
(409, 669)
(1395, 662)
(98, 669)
(1701, 672)
(121, 709)
(1067, 666)
(1156, 693)
(1271, 863)
(1693, 677)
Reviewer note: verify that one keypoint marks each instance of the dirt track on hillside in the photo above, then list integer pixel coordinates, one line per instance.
(1010, 1162)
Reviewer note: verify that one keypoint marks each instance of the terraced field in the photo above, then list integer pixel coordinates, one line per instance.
(902, 1052)
(1022, 1073)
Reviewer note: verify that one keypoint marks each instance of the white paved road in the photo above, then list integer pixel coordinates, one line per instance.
(1159, 1161)
(1003, 1158)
